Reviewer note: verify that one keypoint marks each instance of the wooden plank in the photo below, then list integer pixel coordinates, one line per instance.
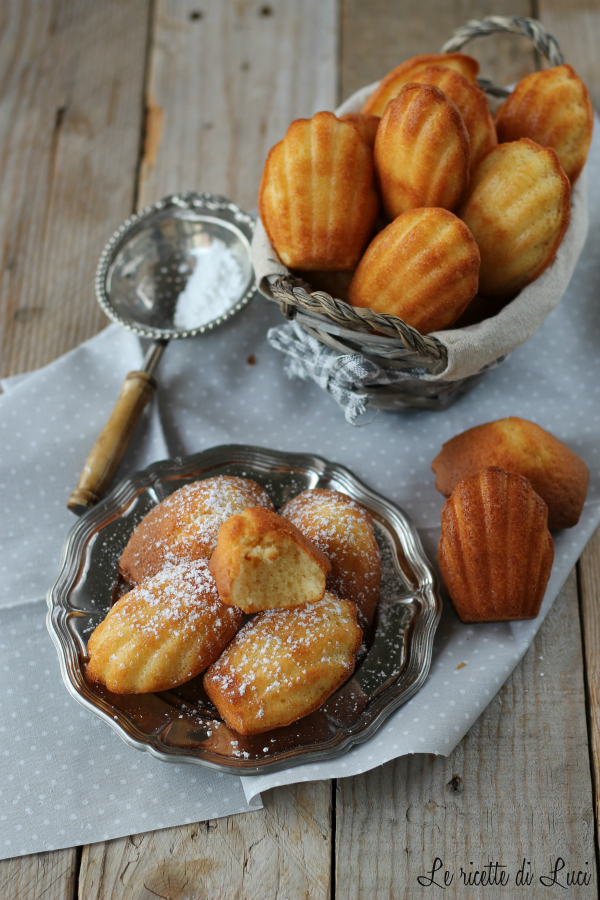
(379, 35)
(283, 850)
(589, 580)
(50, 876)
(224, 87)
(517, 787)
(71, 88)
(71, 84)
(576, 26)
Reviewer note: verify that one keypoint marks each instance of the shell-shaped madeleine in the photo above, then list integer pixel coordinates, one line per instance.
(317, 198)
(185, 526)
(553, 108)
(423, 268)
(366, 126)
(390, 86)
(472, 105)
(162, 633)
(284, 664)
(556, 473)
(421, 151)
(495, 552)
(517, 207)
(343, 530)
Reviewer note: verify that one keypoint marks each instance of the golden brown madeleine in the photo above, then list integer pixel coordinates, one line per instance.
(517, 207)
(366, 126)
(284, 664)
(472, 105)
(343, 530)
(423, 268)
(262, 561)
(421, 151)
(317, 198)
(553, 108)
(186, 525)
(495, 553)
(390, 86)
(556, 473)
(162, 633)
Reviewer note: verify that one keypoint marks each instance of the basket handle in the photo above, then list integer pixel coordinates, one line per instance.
(543, 42)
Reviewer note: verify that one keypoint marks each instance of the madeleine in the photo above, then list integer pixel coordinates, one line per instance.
(472, 105)
(517, 207)
(556, 473)
(422, 268)
(421, 151)
(284, 664)
(553, 108)
(495, 552)
(390, 86)
(343, 530)
(317, 198)
(262, 561)
(185, 526)
(162, 633)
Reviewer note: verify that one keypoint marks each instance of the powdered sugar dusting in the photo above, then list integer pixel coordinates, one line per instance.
(280, 651)
(216, 284)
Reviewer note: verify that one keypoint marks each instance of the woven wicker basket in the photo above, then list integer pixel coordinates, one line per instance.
(349, 330)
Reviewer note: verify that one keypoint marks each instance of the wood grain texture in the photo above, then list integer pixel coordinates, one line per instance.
(41, 876)
(71, 88)
(225, 86)
(517, 786)
(380, 34)
(576, 27)
(589, 580)
(281, 851)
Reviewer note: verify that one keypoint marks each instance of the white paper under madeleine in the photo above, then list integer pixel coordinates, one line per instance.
(66, 778)
(470, 349)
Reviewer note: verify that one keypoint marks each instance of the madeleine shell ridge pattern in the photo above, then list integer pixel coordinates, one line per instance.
(495, 552)
(472, 105)
(518, 208)
(317, 198)
(556, 473)
(424, 268)
(553, 108)
(421, 151)
(284, 664)
(162, 633)
(391, 85)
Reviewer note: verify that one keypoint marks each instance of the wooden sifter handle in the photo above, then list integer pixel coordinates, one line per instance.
(108, 451)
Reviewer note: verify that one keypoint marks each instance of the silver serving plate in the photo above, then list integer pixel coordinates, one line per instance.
(182, 725)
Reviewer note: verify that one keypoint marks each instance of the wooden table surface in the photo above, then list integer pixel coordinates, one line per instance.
(108, 105)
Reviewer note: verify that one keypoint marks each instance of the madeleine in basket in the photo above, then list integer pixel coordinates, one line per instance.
(513, 197)
(317, 198)
(424, 268)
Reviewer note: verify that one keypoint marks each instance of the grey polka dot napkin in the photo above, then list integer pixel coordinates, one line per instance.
(66, 777)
